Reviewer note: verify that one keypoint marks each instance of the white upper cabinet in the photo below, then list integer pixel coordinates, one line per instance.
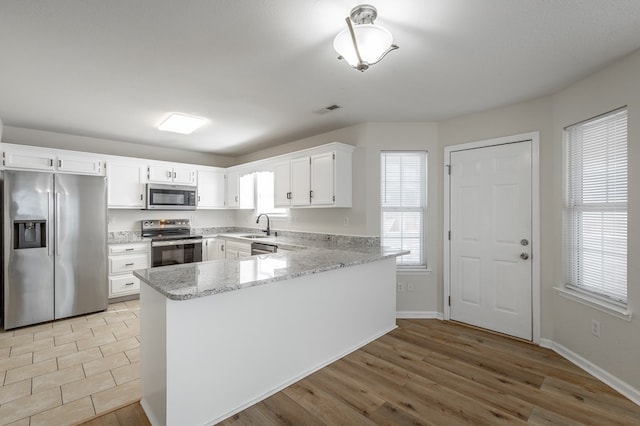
(282, 184)
(50, 160)
(19, 159)
(211, 188)
(323, 181)
(320, 179)
(125, 185)
(240, 190)
(171, 174)
(300, 182)
(80, 165)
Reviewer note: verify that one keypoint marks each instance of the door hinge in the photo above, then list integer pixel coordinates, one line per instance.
(334, 198)
(449, 235)
(334, 155)
(449, 169)
(449, 300)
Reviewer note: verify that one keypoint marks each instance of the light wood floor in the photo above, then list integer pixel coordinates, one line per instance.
(70, 370)
(434, 372)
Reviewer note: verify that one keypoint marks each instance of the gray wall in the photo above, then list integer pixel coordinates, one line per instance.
(566, 322)
(19, 135)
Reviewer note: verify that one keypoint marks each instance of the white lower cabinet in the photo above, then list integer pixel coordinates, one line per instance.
(235, 249)
(213, 249)
(123, 260)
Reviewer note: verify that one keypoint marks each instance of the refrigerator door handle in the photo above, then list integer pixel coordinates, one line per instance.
(57, 226)
(48, 236)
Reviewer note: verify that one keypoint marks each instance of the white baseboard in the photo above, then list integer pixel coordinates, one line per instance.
(609, 379)
(419, 314)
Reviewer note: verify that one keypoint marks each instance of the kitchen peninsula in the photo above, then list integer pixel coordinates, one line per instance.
(220, 336)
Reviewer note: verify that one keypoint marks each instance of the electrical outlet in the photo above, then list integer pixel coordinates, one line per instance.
(410, 287)
(347, 221)
(402, 287)
(595, 328)
(111, 220)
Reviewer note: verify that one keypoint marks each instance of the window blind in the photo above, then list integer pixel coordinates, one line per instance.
(403, 203)
(595, 212)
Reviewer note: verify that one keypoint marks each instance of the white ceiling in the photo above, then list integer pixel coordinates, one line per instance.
(261, 70)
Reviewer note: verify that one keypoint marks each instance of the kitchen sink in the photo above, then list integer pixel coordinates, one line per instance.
(253, 236)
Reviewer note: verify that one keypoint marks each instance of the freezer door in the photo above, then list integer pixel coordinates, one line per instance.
(80, 245)
(27, 252)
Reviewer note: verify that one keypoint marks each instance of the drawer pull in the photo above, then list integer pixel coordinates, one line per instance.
(129, 249)
(129, 264)
(129, 283)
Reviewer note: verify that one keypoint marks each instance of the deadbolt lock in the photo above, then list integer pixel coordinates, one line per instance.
(524, 242)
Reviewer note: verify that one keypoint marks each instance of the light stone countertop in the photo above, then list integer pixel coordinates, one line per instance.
(192, 280)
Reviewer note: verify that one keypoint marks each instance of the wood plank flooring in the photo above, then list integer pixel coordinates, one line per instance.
(430, 372)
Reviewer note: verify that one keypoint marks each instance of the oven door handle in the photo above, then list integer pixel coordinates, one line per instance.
(174, 243)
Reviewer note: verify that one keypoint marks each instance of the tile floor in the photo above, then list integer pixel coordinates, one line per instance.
(67, 371)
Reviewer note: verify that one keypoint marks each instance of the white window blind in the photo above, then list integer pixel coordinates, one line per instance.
(403, 203)
(595, 211)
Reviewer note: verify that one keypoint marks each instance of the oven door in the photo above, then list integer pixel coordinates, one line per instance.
(164, 253)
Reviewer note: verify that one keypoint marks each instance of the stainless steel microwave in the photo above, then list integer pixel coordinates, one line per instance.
(171, 197)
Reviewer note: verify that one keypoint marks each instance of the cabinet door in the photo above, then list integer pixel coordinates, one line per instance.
(184, 176)
(159, 174)
(210, 189)
(233, 186)
(282, 185)
(80, 165)
(212, 249)
(300, 181)
(219, 246)
(17, 159)
(125, 187)
(246, 191)
(322, 179)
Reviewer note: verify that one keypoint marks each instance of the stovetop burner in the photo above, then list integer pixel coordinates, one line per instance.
(168, 229)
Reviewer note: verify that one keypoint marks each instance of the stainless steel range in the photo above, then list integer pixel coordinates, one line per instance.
(172, 242)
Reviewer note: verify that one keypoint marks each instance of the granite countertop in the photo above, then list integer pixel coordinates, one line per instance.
(192, 280)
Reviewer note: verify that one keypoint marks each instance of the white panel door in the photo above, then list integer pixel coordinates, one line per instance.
(491, 272)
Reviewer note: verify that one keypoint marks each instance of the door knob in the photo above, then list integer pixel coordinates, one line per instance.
(524, 242)
(524, 256)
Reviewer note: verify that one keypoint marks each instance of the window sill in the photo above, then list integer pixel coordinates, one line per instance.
(413, 270)
(594, 302)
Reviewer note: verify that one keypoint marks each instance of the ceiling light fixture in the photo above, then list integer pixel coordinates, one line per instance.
(365, 43)
(181, 123)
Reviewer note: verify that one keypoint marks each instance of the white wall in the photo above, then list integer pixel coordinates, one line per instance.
(617, 350)
(129, 220)
(563, 321)
(369, 140)
(19, 135)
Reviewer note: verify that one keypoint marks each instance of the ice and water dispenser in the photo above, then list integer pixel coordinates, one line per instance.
(29, 234)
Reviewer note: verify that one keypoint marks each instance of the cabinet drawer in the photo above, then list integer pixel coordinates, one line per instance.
(128, 248)
(120, 264)
(123, 284)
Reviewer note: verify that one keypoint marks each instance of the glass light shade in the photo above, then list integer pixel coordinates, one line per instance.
(181, 123)
(373, 41)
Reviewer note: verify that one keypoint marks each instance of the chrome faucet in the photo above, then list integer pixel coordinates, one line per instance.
(268, 230)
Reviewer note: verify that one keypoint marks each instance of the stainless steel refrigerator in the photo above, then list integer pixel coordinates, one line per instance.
(54, 246)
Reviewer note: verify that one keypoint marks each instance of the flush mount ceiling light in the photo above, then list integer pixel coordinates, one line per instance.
(364, 43)
(181, 123)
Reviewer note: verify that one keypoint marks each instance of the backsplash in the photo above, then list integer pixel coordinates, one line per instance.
(318, 239)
